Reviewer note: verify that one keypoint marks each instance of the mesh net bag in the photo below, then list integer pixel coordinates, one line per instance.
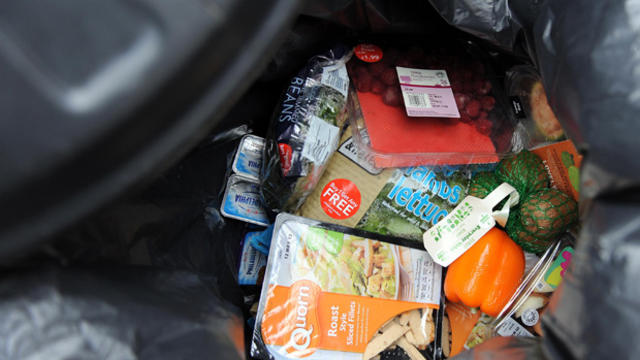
(542, 216)
(525, 172)
(483, 184)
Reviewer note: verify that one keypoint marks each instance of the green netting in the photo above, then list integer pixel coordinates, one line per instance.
(483, 184)
(542, 217)
(525, 172)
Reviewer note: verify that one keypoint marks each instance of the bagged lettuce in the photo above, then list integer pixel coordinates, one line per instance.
(402, 202)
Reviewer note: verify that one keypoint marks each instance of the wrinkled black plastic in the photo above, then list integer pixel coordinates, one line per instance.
(114, 313)
(586, 52)
(98, 95)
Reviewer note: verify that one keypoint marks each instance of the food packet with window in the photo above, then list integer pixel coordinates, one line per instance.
(536, 122)
(402, 202)
(305, 130)
(339, 293)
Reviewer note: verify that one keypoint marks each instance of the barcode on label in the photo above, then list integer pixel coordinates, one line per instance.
(251, 267)
(511, 327)
(337, 79)
(417, 100)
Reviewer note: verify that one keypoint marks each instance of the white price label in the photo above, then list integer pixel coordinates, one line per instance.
(511, 327)
(427, 93)
(322, 139)
(337, 78)
(467, 223)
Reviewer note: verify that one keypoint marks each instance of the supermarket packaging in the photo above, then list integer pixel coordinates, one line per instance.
(402, 202)
(562, 162)
(248, 159)
(536, 122)
(428, 104)
(332, 291)
(242, 201)
(304, 130)
(522, 316)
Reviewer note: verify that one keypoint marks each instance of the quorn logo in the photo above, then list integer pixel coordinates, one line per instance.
(300, 335)
(305, 335)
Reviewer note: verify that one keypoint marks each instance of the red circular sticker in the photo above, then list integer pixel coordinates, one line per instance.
(340, 199)
(368, 52)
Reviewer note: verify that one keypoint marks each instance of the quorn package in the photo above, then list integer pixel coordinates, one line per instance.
(334, 292)
(401, 202)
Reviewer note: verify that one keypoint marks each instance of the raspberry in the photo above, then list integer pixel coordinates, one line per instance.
(488, 102)
(377, 87)
(473, 108)
(389, 77)
(483, 87)
(461, 100)
(392, 96)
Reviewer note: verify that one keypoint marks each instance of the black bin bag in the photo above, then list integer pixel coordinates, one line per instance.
(587, 54)
(114, 313)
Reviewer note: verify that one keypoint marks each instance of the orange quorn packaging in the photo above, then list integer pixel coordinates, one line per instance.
(332, 292)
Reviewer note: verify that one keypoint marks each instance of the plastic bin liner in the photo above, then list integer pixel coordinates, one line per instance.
(587, 54)
(114, 313)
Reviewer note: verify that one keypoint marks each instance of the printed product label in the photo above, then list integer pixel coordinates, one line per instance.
(242, 202)
(248, 159)
(336, 77)
(518, 110)
(286, 155)
(251, 262)
(530, 317)
(368, 53)
(366, 162)
(467, 223)
(554, 275)
(562, 162)
(414, 199)
(321, 139)
(333, 291)
(340, 199)
(511, 327)
(427, 93)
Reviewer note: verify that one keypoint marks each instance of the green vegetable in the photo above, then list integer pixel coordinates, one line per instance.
(315, 238)
(333, 242)
(385, 216)
(355, 266)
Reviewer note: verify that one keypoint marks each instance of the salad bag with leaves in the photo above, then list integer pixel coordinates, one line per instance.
(305, 130)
